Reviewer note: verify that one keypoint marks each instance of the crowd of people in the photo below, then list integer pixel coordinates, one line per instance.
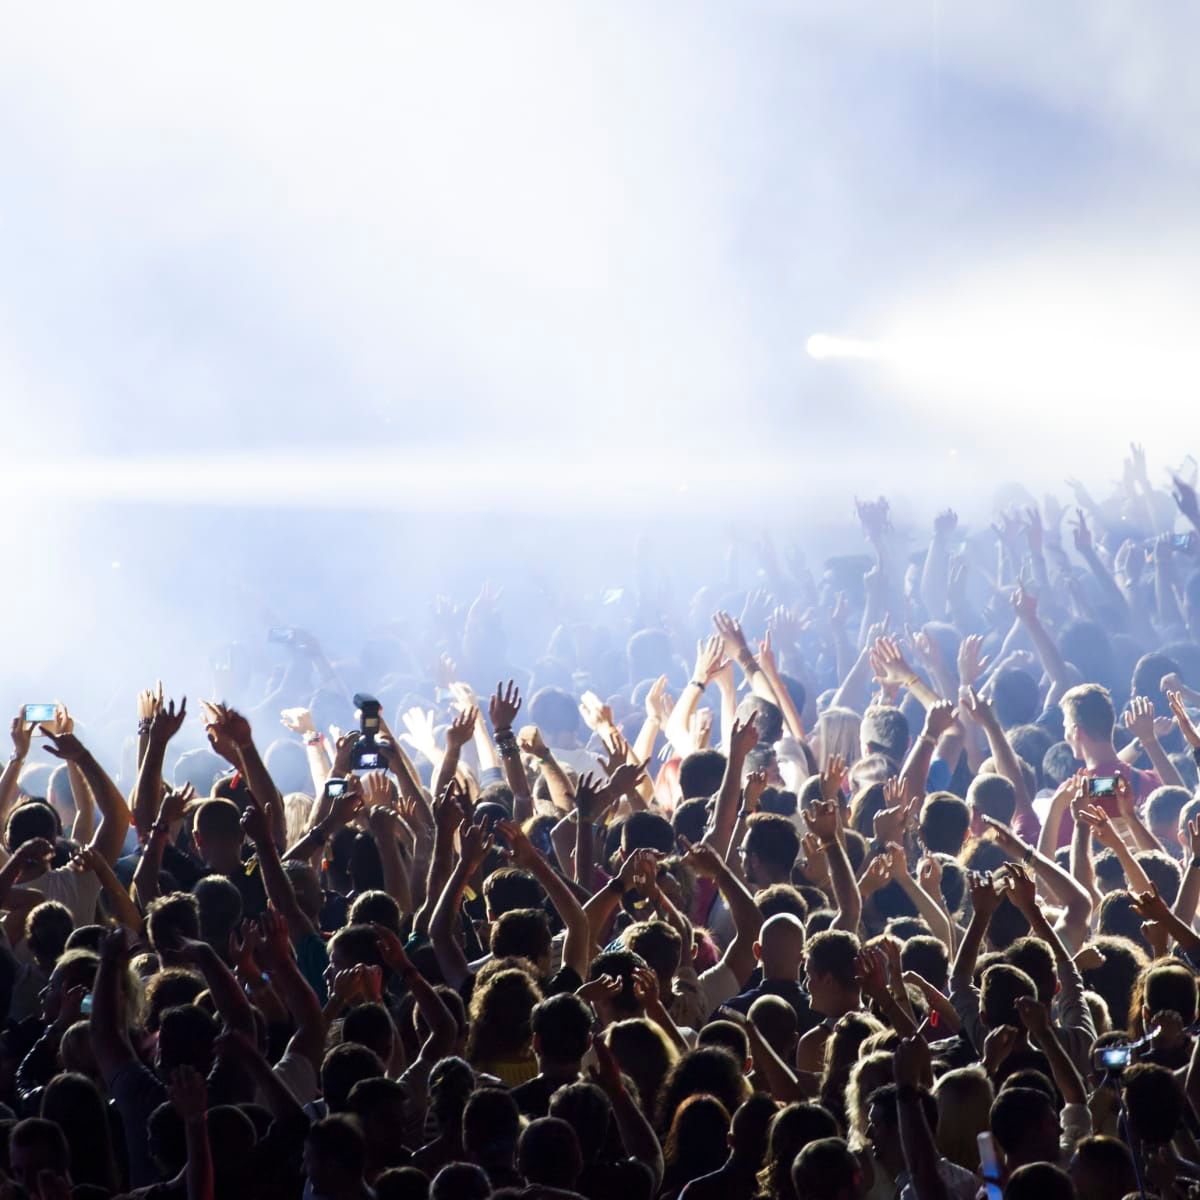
(884, 891)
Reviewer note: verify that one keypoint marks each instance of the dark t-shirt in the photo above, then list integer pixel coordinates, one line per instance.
(786, 989)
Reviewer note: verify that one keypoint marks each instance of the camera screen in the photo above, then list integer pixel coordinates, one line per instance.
(39, 712)
(1104, 786)
(370, 762)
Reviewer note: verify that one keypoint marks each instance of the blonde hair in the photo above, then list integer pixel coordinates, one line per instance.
(871, 1071)
(964, 1103)
(836, 733)
(297, 808)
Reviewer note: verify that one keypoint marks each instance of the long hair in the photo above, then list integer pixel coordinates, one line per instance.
(501, 1009)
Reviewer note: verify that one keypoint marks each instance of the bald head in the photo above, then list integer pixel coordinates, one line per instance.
(780, 947)
(775, 1020)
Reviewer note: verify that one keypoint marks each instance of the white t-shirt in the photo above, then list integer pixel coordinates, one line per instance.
(79, 891)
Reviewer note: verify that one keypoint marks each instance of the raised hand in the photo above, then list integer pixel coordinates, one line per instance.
(245, 943)
(702, 859)
(21, 732)
(743, 737)
(875, 518)
(710, 652)
(227, 730)
(984, 897)
(343, 753)
(1034, 1015)
(474, 845)
(188, 1094)
(939, 717)
(757, 609)
(752, 790)
(877, 875)
(639, 872)
(597, 715)
(463, 696)
(871, 971)
(167, 721)
(606, 1074)
(521, 850)
(1150, 906)
(731, 635)
(529, 739)
(911, 1063)
(1100, 824)
(831, 778)
(972, 662)
(1139, 718)
(64, 745)
(1022, 886)
(1191, 734)
(391, 948)
(504, 705)
(945, 523)
(349, 804)
(1081, 533)
(604, 987)
(997, 1046)
(37, 852)
(298, 720)
(888, 662)
(645, 987)
(461, 729)
(591, 801)
(378, 790)
(1005, 837)
(821, 817)
(419, 732)
(929, 874)
(1185, 498)
(658, 701)
(977, 707)
(1024, 604)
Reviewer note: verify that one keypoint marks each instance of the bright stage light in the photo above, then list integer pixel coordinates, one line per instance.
(825, 345)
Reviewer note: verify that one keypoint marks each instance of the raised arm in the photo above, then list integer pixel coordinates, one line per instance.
(458, 734)
(637, 1135)
(503, 708)
(474, 843)
(742, 739)
(1065, 889)
(288, 981)
(1102, 829)
(114, 812)
(385, 826)
(228, 998)
(891, 667)
(147, 791)
(1025, 606)
(189, 1098)
(1007, 763)
(912, 1071)
(914, 775)
(935, 572)
(124, 911)
(281, 896)
(227, 729)
(442, 1027)
(577, 943)
(110, 1035)
(1139, 720)
(984, 902)
(739, 956)
(1036, 1019)
(822, 820)
(21, 732)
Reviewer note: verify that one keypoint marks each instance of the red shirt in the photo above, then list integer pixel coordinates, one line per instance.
(1142, 782)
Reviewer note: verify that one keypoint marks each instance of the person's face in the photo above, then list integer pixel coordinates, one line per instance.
(26, 1163)
(750, 863)
(1170, 837)
(884, 1140)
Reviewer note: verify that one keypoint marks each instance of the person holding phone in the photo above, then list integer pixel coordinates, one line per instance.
(1089, 719)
